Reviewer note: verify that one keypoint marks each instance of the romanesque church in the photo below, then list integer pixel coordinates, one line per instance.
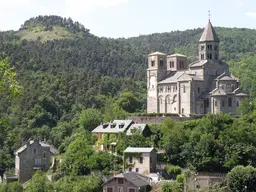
(204, 86)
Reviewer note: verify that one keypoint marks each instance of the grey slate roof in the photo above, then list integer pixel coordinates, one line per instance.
(174, 76)
(43, 144)
(115, 127)
(135, 178)
(209, 34)
(227, 78)
(198, 63)
(218, 92)
(138, 149)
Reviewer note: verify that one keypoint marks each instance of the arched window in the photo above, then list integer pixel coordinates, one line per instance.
(168, 99)
(44, 154)
(174, 99)
(216, 103)
(198, 89)
(230, 102)
(210, 56)
(237, 103)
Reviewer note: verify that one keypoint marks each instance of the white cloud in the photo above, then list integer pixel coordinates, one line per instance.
(84, 6)
(251, 14)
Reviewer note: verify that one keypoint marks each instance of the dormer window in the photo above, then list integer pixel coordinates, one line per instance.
(113, 125)
(121, 126)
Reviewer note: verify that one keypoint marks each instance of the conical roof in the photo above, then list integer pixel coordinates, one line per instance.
(209, 34)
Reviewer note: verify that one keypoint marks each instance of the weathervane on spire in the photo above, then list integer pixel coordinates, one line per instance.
(209, 14)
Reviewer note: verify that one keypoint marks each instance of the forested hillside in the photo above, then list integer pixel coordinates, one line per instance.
(64, 69)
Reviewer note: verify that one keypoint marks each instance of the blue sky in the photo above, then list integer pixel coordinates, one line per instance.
(127, 18)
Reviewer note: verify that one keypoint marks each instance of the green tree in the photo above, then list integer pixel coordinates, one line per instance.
(171, 186)
(11, 187)
(39, 183)
(78, 153)
(242, 178)
(90, 118)
(128, 102)
(9, 87)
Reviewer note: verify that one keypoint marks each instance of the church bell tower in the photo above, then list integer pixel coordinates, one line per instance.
(209, 44)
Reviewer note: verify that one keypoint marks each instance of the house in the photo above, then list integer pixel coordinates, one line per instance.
(127, 182)
(175, 86)
(202, 181)
(107, 134)
(34, 155)
(140, 160)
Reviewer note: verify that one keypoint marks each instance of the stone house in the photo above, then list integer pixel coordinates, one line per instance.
(107, 134)
(202, 181)
(34, 155)
(205, 86)
(127, 182)
(140, 160)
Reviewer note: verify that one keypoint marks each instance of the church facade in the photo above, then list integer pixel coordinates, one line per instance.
(204, 86)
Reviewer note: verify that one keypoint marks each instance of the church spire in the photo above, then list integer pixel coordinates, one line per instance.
(209, 34)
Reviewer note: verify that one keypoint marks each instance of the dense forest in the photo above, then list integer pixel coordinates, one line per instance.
(69, 80)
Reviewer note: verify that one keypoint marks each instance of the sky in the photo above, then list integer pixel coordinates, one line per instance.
(128, 18)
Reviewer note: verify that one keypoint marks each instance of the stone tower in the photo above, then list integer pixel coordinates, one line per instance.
(156, 71)
(209, 44)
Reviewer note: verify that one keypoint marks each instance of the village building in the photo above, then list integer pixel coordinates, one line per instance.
(202, 181)
(205, 86)
(127, 182)
(34, 155)
(140, 160)
(107, 134)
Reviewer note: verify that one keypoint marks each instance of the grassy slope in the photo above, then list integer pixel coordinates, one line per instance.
(39, 32)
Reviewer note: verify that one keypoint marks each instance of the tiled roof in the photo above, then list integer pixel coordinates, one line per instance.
(135, 178)
(171, 77)
(242, 94)
(209, 34)
(43, 144)
(218, 92)
(178, 55)
(227, 78)
(138, 149)
(114, 127)
(174, 76)
(198, 63)
(156, 53)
